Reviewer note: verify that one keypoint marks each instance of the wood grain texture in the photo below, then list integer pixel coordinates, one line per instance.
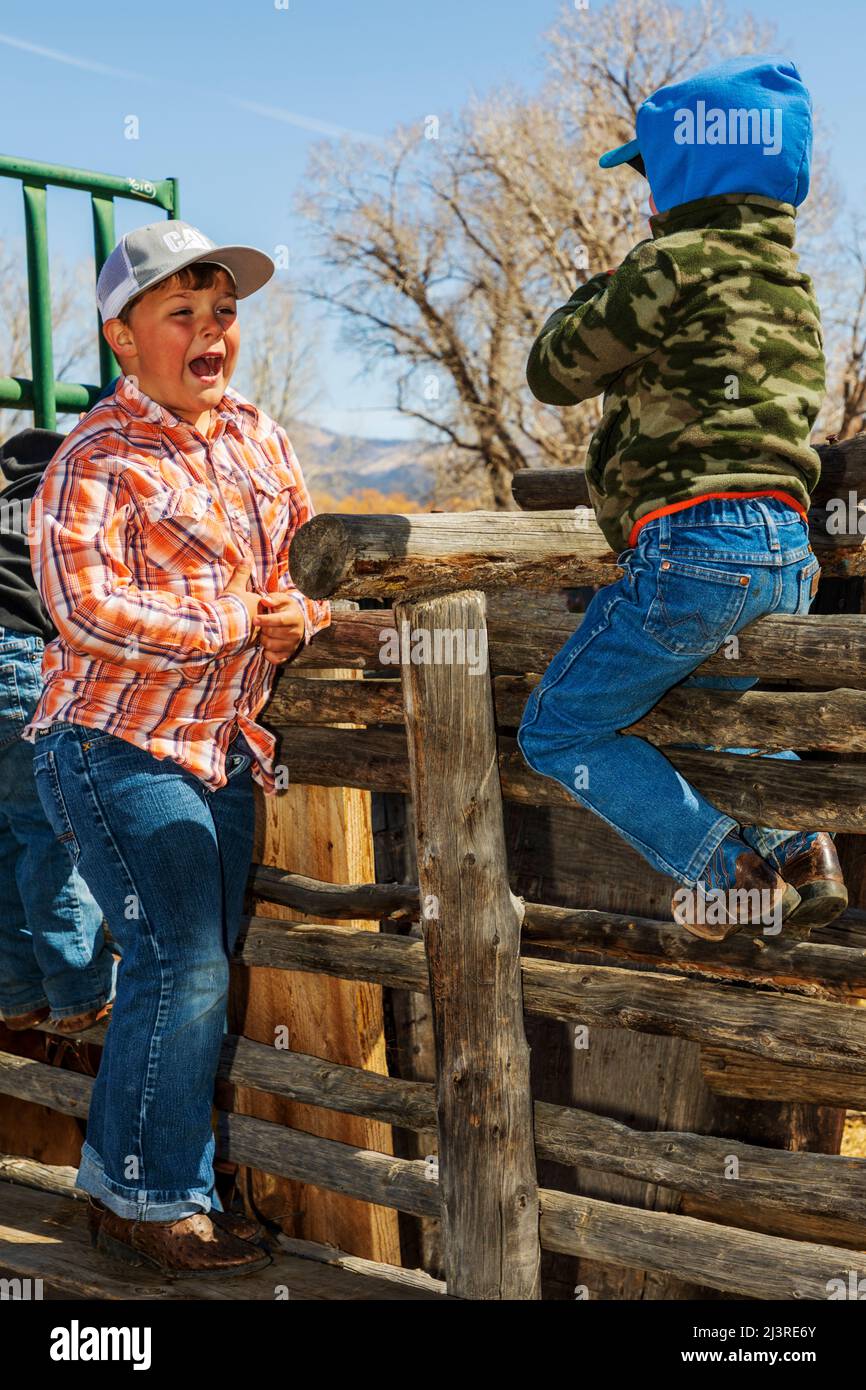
(826, 721)
(813, 795)
(471, 924)
(356, 555)
(813, 650)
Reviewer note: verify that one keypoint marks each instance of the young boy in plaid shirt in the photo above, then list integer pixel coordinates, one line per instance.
(162, 557)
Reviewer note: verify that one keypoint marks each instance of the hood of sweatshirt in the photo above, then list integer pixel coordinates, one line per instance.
(744, 126)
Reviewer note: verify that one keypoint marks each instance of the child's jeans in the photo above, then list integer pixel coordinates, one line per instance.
(52, 948)
(695, 577)
(168, 859)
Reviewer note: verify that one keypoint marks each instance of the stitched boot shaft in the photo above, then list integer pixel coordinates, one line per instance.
(799, 843)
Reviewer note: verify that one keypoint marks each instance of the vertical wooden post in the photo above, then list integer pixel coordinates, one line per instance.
(471, 924)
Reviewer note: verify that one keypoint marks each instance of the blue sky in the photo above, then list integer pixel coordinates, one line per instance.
(230, 96)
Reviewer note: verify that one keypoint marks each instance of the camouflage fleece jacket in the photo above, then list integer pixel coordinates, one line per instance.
(707, 344)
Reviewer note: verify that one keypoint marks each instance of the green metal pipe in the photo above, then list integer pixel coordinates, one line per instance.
(103, 244)
(39, 291)
(162, 192)
(43, 395)
(16, 393)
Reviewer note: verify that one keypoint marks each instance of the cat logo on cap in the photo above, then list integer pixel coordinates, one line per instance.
(186, 239)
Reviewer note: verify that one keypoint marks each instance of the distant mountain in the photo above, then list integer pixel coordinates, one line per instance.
(344, 464)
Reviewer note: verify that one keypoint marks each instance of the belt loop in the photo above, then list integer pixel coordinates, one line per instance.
(773, 542)
(665, 531)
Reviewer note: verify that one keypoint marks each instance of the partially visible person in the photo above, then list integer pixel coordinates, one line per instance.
(54, 961)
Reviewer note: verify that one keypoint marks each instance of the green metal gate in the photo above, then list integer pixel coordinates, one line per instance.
(43, 395)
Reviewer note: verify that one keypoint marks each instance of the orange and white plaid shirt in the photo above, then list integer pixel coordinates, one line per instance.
(136, 527)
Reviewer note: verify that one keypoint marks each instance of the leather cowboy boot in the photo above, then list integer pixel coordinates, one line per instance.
(809, 862)
(183, 1249)
(240, 1226)
(79, 1023)
(738, 888)
(17, 1022)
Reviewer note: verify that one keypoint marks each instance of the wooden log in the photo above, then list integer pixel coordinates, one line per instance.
(821, 1035)
(755, 791)
(409, 1023)
(339, 1259)
(818, 967)
(770, 1221)
(732, 1260)
(834, 959)
(393, 902)
(395, 961)
(390, 556)
(772, 1025)
(471, 926)
(829, 649)
(843, 469)
(825, 721)
(731, 1073)
(698, 1164)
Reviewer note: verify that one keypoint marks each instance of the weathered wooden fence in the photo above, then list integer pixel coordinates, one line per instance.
(699, 1131)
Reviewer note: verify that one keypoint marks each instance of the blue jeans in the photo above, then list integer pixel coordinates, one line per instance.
(52, 947)
(694, 578)
(169, 859)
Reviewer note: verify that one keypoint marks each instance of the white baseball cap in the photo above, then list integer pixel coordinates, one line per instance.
(143, 258)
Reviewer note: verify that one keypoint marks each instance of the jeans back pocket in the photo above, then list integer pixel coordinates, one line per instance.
(695, 607)
(53, 803)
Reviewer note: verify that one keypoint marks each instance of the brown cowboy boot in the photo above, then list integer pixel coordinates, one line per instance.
(18, 1022)
(814, 870)
(79, 1023)
(240, 1226)
(756, 892)
(183, 1249)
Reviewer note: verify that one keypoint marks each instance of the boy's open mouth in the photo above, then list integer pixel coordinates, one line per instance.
(207, 367)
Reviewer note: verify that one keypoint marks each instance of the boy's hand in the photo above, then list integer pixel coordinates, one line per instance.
(237, 585)
(282, 631)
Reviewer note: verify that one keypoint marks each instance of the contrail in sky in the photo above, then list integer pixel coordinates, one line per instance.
(272, 113)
